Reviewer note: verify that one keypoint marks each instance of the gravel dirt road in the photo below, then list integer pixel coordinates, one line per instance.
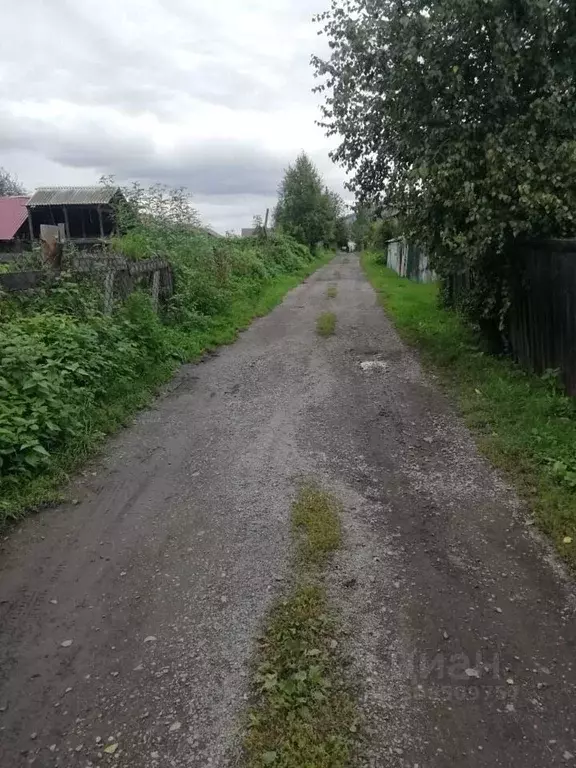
(127, 619)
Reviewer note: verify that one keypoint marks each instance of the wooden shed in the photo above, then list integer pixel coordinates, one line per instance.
(86, 213)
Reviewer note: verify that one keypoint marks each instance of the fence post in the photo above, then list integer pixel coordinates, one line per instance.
(109, 291)
(155, 288)
(51, 242)
(168, 281)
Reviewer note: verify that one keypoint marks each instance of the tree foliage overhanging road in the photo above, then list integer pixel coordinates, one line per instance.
(461, 114)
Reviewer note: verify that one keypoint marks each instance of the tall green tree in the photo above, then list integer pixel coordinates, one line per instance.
(341, 233)
(334, 221)
(460, 114)
(381, 231)
(306, 209)
(360, 228)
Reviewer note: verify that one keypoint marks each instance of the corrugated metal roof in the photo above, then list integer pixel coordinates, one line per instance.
(210, 231)
(13, 214)
(99, 195)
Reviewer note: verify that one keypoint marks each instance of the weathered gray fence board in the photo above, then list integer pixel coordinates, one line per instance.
(409, 260)
(117, 274)
(541, 324)
(14, 282)
(540, 331)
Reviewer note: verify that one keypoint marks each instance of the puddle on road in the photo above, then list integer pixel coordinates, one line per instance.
(374, 365)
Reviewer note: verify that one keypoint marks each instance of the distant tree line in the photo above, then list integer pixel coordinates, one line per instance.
(313, 214)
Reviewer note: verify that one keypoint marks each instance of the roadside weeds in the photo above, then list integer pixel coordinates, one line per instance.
(304, 713)
(522, 422)
(48, 488)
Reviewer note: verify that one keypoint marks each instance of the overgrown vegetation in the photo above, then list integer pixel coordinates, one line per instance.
(307, 210)
(462, 116)
(522, 422)
(69, 374)
(304, 713)
(326, 324)
(58, 365)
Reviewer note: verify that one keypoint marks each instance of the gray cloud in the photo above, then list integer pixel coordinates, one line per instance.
(217, 170)
(216, 97)
(208, 167)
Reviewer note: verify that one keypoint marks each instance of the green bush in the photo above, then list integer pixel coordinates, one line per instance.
(54, 371)
(209, 273)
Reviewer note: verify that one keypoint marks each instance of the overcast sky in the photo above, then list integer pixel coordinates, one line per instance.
(214, 95)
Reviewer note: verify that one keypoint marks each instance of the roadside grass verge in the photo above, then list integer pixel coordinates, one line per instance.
(332, 291)
(522, 422)
(304, 713)
(23, 494)
(326, 324)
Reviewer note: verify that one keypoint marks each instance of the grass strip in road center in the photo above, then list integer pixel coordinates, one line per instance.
(326, 324)
(332, 291)
(304, 713)
(316, 524)
(524, 423)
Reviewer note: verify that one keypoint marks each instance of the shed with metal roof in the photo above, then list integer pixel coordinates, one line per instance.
(86, 213)
(98, 195)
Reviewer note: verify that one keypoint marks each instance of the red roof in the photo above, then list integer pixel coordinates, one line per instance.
(13, 214)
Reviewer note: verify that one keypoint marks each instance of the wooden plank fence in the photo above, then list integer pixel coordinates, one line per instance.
(541, 327)
(540, 331)
(118, 275)
(409, 260)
